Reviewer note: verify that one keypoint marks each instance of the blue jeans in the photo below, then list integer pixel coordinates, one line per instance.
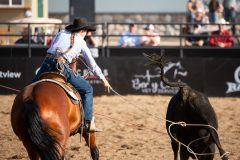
(82, 85)
(230, 15)
(213, 17)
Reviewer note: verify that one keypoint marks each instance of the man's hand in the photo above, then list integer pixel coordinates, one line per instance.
(220, 44)
(106, 85)
(61, 59)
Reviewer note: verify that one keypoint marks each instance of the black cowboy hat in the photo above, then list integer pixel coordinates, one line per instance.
(80, 23)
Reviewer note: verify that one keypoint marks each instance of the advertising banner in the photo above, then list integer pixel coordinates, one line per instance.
(129, 75)
(223, 77)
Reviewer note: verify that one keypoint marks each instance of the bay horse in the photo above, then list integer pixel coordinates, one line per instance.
(43, 117)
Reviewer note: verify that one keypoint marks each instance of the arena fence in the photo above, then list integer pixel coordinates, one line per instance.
(214, 71)
(213, 76)
(172, 36)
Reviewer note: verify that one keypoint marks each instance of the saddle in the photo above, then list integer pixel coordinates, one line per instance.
(60, 79)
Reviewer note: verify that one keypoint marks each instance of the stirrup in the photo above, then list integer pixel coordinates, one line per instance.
(92, 127)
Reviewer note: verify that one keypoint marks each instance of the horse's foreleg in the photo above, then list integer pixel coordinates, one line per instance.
(91, 142)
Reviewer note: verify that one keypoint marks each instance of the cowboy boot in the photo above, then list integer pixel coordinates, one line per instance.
(91, 127)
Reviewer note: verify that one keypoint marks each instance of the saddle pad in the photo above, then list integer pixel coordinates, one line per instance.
(67, 89)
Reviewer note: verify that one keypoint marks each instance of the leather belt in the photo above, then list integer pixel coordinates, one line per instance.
(57, 57)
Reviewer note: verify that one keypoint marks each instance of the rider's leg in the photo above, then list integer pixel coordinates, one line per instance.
(86, 92)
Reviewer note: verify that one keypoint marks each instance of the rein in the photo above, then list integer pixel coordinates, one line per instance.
(9, 88)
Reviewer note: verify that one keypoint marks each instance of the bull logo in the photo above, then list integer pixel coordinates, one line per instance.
(149, 83)
(176, 67)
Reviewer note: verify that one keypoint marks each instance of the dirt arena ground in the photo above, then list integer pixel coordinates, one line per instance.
(130, 129)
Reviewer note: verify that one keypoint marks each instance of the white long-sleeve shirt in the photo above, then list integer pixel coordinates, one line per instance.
(62, 42)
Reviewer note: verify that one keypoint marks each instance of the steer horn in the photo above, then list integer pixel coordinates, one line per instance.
(158, 60)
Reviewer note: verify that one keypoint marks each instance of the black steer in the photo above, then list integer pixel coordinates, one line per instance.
(191, 107)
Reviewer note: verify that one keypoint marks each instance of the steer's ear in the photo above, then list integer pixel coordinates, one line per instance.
(154, 59)
(150, 62)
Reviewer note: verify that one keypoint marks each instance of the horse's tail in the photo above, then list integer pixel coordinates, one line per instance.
(43, 143)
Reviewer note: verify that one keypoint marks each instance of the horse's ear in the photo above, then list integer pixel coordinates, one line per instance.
(149, 64)
(145, 55)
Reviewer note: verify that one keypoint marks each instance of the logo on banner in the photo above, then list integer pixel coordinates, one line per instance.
(9, 74)
(89, 75)
(234, 86)
(150, 82)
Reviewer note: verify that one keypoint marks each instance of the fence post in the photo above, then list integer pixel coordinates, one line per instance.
(181, 49)
(29, 41)
(107, 47)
